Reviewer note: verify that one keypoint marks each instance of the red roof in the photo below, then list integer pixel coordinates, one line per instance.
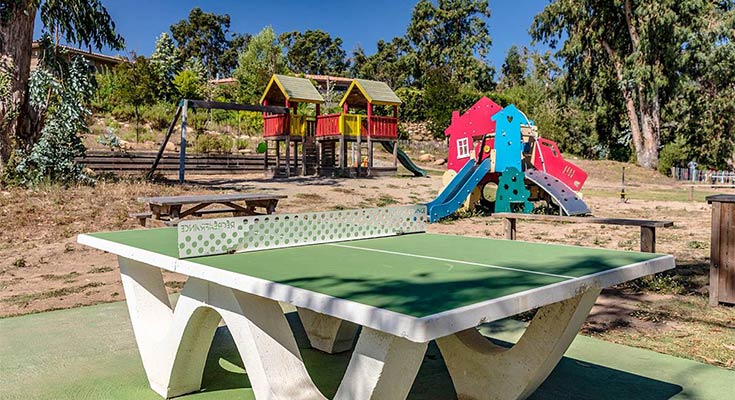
(476, 121)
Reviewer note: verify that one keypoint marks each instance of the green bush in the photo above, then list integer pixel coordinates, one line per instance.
(207, 143)
(671, 154)
(123, 112)
(158, 115)
(413, 108)
(242, 143)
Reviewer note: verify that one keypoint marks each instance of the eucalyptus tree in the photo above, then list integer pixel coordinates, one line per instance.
(453, 35)
(626, 52)
(85, 23)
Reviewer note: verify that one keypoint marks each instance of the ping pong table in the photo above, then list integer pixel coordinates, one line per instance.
(404, 290)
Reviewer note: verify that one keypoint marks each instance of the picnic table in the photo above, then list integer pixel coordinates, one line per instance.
(374, 268)
(169, 210)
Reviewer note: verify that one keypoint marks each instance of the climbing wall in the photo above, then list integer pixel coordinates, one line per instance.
(567, 199)
(512, 190)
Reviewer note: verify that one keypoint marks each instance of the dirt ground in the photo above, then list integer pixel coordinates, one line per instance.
(43, 268)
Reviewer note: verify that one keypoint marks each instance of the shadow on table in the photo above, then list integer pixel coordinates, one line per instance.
(571, 379)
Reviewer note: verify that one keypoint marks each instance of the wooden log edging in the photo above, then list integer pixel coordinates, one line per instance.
(139, 162)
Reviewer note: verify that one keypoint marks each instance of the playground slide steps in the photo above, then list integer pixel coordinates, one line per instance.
(404, 160)
(569, 201)
(454, 195)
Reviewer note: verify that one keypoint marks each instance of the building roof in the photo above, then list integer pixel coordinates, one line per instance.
(223, 81)
(282, 88)
(337, 81)
(476, 121)
(363, 91)
(87, 54)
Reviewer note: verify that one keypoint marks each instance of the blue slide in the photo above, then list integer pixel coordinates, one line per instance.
(452, 197)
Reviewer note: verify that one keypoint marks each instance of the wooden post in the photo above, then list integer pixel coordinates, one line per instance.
(278, 157)
(303, 155)
(182, 150)
(359, 152)
(510, 228)
(395, 154)
(288, 157)
(648, 239)
(166, 138)
(370, 153)
(714, 270)
(722, 250)
(265, 157)
(342, 153)
(319, 148)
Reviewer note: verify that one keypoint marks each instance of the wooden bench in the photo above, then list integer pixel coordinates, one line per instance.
(648, 227)
(168, 211)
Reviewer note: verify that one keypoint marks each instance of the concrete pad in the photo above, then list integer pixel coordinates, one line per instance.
(90, 353)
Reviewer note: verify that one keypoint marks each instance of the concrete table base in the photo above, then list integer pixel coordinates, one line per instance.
(174, 344)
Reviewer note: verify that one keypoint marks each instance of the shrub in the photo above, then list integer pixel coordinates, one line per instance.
(123, 112)
(671, 154)
(207, 143)
(242, 143)
(159, 115)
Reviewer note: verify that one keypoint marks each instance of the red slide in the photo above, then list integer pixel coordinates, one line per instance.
(548, 158)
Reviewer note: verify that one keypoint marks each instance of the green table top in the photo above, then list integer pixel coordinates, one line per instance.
(416, 275)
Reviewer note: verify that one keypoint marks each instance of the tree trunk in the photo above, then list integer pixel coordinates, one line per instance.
(651, 124)
(16, 37)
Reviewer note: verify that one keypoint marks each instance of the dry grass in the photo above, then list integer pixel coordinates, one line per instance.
(42, 268)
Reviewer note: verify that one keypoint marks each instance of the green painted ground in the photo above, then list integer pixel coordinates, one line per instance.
(90, 353)
(398, 282)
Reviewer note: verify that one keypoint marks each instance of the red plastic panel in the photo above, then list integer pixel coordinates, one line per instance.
(548, 158)
(473, 124)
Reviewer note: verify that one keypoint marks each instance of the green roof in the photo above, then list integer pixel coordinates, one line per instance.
(363, 91)
(282, 88)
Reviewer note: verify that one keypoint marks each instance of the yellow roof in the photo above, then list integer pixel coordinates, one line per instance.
(296, 90)
(363, 91)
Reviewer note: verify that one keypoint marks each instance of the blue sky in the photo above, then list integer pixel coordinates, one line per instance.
(363, 22)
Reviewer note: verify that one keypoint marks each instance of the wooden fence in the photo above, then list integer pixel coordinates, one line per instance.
(140, 162)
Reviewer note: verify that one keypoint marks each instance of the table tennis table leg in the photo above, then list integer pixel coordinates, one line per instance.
(383, 366)
(174, 344)
(326, 333)
(482, 370)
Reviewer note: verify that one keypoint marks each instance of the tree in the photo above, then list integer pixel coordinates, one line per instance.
(81, 22)
(207, 36)
(514, 67)
(314, 52)
(625, 51)
(188, 85)
(393, 63)
(137, 85)
(702, 113)
(165, 62)
(262, 58)
(453, 34)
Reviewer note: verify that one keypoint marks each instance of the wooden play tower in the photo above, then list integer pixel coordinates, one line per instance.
(357, 129)
(292, 129)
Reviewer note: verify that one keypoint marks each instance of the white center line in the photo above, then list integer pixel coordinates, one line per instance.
(452, 261)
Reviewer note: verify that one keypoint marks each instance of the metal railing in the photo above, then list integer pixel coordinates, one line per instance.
(703, 176)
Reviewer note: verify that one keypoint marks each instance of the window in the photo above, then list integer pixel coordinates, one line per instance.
(463, 148)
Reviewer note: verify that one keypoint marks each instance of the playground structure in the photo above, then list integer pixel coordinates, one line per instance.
(490, 145)
(331, 144)
(292, 128)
